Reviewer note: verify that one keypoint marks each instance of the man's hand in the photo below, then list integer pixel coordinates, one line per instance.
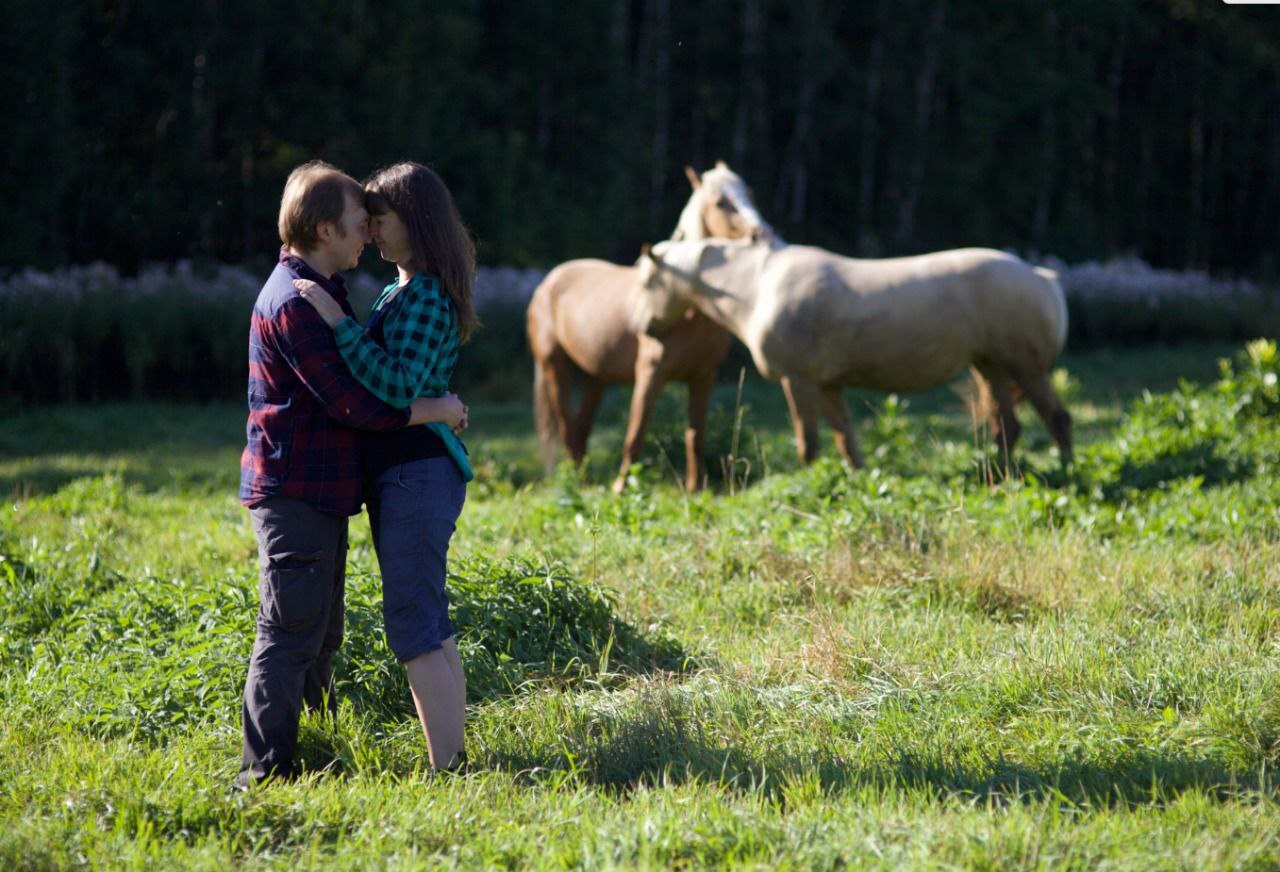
(318, 297)
(448, 410)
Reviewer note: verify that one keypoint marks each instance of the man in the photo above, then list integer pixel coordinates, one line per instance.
(300, 471)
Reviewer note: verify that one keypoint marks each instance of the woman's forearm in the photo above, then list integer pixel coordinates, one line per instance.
(448, 410)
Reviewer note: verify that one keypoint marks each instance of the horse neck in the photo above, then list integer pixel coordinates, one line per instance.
(728, 293)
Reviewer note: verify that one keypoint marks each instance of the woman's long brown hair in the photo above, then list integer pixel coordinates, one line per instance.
(440, 242)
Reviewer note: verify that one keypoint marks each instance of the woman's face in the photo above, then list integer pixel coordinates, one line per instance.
(391, 237)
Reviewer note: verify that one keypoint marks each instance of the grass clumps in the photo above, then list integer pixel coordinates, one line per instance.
(518, 624)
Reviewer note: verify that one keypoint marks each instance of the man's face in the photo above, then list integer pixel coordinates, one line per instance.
(349, 235)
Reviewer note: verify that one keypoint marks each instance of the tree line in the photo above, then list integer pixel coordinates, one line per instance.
(141, 130)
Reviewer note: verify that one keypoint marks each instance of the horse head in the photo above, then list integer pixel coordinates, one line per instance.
(721, 206)
(665, 289)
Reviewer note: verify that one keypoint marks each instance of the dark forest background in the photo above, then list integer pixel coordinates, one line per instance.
(152, 131)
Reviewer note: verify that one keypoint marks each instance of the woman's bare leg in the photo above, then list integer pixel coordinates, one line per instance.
(440, 694)
(459, 682)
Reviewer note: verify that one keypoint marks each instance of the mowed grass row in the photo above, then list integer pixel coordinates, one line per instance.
(926, 663)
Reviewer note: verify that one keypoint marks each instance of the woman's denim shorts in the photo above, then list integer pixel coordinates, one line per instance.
(413, 509)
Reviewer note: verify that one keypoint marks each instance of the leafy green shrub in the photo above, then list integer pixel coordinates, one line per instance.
(1252, 384)
(1165, 438)
(1209, 434)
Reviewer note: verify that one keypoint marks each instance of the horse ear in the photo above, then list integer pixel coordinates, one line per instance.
(693, 177)
(721, 165)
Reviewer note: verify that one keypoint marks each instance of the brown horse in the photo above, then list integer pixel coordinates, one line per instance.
(580, 324)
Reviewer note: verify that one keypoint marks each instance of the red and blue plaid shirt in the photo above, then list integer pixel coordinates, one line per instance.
(305, 408)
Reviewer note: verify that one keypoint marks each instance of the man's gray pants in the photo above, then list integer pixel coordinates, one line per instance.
(302, 554)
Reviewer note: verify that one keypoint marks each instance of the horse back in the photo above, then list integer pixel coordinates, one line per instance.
(582, 309)
(904, 323)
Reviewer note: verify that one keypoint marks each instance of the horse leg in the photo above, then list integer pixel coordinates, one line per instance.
(648, 385)
(544, 417)
(981, 404)
(836, 411)
(1055, 416)
(1000, 405)
(559, 385)
(592, 394)
(695, 433)
(802, 401)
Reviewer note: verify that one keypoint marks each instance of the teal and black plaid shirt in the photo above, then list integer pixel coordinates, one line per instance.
(421, 332)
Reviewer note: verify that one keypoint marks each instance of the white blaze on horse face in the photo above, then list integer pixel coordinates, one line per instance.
(721, 206)
(730, 212)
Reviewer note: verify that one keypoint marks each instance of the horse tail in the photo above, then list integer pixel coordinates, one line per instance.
(538, 321)
(1060, 306)
(544, 420)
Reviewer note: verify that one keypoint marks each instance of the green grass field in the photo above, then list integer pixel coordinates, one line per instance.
(927, 664)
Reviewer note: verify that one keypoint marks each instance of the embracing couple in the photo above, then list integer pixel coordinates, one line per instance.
(340, 414)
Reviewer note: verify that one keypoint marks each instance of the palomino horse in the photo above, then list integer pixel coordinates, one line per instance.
(579, 322)
(819, 322)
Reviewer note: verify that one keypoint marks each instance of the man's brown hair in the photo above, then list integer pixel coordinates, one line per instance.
(316, 192)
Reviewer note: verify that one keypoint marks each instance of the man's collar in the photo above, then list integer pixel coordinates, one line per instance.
(335, 284)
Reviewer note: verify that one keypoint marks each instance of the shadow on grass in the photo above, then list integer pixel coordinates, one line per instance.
(645, 753)
(669, 733)
(1137, 778)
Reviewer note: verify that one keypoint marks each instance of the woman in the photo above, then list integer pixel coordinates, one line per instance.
(415, 478)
